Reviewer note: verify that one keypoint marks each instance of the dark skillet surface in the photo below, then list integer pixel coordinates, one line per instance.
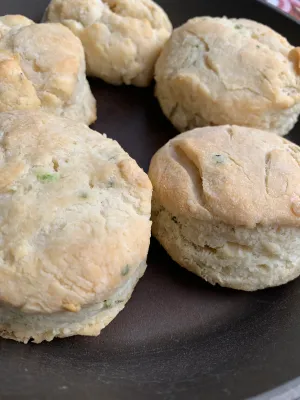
(178, 337)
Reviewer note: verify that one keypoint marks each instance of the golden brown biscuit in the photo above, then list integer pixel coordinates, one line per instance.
(43, 66)
(122, 38)
(216, 71)
(226, 205)
(75, 228)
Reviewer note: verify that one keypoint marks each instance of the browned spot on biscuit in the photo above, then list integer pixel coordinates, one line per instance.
(294, 56)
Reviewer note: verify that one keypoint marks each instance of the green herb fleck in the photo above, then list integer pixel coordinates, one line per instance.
(46, 178)
(174, 219)
(238, 26)
(107, 303)
(110, 183)
(258, 46)
(125, 270)
(218, 158)
(83, 195)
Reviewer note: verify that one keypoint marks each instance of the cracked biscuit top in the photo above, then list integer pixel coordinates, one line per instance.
(216, 71)
(74, 212)
(122, 38)
(43, 66)
(236, 175)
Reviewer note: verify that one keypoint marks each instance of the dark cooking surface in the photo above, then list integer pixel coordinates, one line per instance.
(178, 337)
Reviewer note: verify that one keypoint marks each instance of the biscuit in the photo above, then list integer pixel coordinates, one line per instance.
(42, 66)
(226, 205)
(75, 227)
(122, 38)
(217, 71)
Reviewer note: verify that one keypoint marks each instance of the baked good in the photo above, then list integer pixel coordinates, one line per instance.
(43, 66)
(122, 38)
(75, 228)
(226, 205)
(216, 71)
